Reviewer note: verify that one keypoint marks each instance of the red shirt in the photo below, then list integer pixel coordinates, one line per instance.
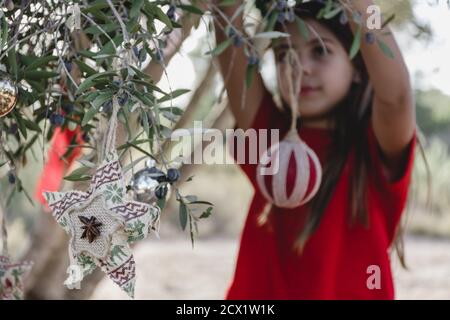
(336, 258)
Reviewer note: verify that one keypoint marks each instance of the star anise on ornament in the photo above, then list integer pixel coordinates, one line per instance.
(91, 228)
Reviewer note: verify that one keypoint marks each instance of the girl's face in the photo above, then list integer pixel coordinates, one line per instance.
(326, 77)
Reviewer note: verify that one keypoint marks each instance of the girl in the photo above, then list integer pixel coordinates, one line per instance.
(358, 116)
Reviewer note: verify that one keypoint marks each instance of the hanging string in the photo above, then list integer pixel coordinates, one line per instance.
(294, 78)
(109, 140)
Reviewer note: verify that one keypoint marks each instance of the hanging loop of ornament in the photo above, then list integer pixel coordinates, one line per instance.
(109, 140)
(294, 78)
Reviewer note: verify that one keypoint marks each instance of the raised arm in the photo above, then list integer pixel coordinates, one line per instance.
(234, 72)
(393, 110)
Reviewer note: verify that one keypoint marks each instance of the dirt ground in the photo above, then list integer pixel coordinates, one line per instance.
(169, 269)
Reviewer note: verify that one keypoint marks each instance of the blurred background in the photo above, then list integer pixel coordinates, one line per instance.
(170, 268)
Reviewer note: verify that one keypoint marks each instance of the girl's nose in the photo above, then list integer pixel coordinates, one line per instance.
(306, 66)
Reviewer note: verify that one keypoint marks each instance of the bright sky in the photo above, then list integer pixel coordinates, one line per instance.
(432, 60)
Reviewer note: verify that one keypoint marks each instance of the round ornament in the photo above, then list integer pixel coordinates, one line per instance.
(8, 94)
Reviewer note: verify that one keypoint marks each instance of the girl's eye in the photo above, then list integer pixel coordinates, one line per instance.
(320, 52)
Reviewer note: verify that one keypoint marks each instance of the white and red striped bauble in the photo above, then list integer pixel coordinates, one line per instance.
(299, 172)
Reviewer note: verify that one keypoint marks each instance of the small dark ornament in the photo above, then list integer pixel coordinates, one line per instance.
(91, 228)
(173, 175)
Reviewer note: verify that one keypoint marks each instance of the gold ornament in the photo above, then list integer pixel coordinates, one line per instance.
(8, 94)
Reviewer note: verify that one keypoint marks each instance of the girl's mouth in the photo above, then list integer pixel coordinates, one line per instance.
(307, 90)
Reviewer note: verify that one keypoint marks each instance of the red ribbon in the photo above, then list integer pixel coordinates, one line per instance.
(56, 168)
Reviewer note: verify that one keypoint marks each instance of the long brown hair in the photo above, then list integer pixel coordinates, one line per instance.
(351, 118)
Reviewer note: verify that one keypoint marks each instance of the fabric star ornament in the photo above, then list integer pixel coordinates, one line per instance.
(102, 222)
(11, 278)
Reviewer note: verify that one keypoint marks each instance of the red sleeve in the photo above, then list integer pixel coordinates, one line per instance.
(392, 194)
